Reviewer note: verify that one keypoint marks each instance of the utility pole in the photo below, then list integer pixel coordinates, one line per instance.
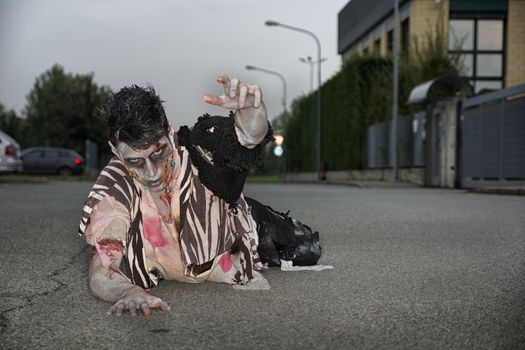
(395, 93)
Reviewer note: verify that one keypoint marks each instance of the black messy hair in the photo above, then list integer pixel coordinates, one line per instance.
(135, 115)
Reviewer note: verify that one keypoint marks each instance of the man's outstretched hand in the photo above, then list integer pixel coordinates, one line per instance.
(237, 95)
(137, 301)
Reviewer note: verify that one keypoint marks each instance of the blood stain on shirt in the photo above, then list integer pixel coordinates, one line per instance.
(225, 262)
(153, 233)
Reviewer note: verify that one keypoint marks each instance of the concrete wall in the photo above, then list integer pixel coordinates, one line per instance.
(448, 142)
(515, 58)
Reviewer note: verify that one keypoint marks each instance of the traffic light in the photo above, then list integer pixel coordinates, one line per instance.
(278, 149)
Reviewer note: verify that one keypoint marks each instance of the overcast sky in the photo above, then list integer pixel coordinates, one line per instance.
(177, 46)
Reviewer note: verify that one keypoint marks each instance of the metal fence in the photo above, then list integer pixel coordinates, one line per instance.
(410, 136)
(492, 139)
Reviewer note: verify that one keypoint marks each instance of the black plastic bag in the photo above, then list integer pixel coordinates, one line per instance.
(282, 237)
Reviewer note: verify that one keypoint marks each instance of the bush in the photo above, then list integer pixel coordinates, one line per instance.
(357, 96)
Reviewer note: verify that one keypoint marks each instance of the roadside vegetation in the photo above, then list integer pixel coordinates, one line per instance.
(62, 110)
(358, 96)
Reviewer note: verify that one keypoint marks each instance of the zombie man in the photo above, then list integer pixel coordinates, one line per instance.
(169, 205)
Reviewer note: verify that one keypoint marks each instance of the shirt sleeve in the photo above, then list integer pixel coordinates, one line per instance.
(223, 163)
(217, 135)
(109, 220)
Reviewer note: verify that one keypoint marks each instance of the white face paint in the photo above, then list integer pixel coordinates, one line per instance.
(153, 167)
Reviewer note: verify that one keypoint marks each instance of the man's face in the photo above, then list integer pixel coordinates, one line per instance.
(153, 167)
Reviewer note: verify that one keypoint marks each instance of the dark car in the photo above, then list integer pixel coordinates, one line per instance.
(52, 160)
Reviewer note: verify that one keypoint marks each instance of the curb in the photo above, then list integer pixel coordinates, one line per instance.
(10, 179)
(501, 190)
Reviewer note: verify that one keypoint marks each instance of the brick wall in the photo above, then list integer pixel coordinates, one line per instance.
(423, 17)
(515, 56)
(384, 40)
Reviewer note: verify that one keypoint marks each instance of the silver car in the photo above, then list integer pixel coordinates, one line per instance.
(10, 161)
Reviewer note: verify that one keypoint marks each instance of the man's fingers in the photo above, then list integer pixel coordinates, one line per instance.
(236, 94)
(221, 101)
(225, 81)
(111, 310)
(256, 91)
(120, 308)
(164, 306)
(145, 309)
(243, 91)
(234, 87)
(132, 306)
(159, 303)
(214, 100)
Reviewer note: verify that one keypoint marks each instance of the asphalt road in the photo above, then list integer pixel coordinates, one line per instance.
(414, 268)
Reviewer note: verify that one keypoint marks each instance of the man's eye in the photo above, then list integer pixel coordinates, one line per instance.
(159, 151)
(134, 161)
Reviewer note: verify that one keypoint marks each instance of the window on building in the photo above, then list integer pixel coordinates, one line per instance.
(461, 34)
(366, 49)
(377, 46)
(376, 37)
(405, 35)
(390, 41)
(479, 44)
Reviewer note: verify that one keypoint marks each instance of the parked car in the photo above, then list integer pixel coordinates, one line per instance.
(9, 154)
(52, 160)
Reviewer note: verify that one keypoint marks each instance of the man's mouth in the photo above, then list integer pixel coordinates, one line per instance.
(155, 183)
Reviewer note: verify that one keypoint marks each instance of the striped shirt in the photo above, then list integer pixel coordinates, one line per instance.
(208, 225)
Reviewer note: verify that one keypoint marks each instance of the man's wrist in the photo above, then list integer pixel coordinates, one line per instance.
(130, 290)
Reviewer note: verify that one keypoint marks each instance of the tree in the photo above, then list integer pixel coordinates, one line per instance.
(62, 110)
(13, 125)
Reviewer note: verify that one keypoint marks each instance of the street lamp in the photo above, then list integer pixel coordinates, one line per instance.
(277, 24)
(279, 141)
(395, 88)
(311, 63)
(276, 74)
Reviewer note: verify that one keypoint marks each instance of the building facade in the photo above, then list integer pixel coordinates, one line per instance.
(488, 35)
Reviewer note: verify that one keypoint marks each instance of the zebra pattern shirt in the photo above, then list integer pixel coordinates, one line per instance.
(188, 228)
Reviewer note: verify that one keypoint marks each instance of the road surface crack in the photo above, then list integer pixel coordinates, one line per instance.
(28, 300)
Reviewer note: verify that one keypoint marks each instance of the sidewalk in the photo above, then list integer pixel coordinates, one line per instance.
(372, 184)
(516, 191)
(511, 190)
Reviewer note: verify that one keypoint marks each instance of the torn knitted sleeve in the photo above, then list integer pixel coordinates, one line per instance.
(230, 161)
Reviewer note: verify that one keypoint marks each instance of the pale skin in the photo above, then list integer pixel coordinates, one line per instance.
(150, 167)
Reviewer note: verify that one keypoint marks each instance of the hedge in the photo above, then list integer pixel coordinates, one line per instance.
(357, 96)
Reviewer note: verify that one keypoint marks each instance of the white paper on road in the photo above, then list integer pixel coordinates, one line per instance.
(288, 266)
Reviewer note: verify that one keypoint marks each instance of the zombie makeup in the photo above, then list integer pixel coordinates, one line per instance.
(153, 167)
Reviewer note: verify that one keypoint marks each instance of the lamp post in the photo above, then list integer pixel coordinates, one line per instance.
(318, 43)
(311, 63)
(279, 141)
(395, 89)
(276, 74)
(308, 60)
